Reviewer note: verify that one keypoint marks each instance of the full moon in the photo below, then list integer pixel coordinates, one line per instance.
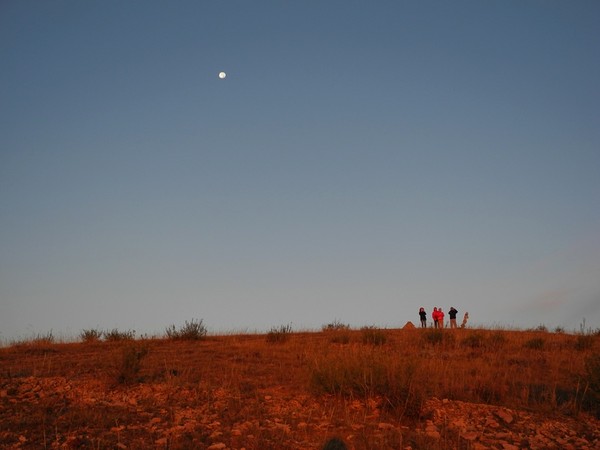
(222, 75)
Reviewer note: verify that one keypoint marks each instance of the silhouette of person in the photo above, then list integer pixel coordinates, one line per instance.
(452, 314)
(423, 316)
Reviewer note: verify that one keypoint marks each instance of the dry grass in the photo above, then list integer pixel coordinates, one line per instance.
(246, 392)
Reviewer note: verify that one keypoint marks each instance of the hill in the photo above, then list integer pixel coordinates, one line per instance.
(376, 389)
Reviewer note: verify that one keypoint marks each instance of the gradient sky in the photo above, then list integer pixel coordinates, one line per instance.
(360, 160)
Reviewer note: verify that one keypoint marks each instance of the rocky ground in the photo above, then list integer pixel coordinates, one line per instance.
(67, 414)
(243, 392)
(490, 427)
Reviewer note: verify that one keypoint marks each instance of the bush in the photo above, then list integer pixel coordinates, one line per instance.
(497, 340)
(474, 340)
(336, 325)
(115, 335)
(592, 374)
(367, 375)
(535, 344)
(477, 339)
(584, 341)
(373, 336)
(131, 363)
(279, 334)
(90, 335)
(190, 331)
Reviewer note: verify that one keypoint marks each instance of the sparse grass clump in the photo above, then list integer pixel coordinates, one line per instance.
(336, 325)
(373, 336)
(592, 375)
(279, 334)
(338, 332)
(433, 336)
(474, 340)
(478, 339)
(535, 343)
(193, 330)
(584, 342)
(115, 335)
(39, 341)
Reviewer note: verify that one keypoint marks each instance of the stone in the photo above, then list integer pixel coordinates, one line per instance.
(505, 416)
(217, 446)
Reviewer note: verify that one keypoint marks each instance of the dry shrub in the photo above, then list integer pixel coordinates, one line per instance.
(535, 343)
(115, 335)
(131, 363)
(91, 335)
(438, 337)
(278, 335)
(337, 332)
(367, 374)
(373, 336)
(592, 375)
(193, 330)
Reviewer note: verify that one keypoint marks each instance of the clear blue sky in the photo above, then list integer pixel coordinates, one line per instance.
(360, 160)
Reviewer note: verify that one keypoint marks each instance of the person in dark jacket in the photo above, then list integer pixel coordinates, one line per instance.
(452, 314)
(423, 316)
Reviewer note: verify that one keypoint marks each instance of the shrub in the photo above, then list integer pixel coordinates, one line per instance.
(497, 340)
(338, 332)
(91, 335)
(584, 341)
(373, 336)
(131, 363)
(535, 343)
(336, 325)
(193, 330)
(279, 334)
(367, 375)
(339, 337)
(477, 339)
(592, 375)
(474, 340)
(115, 335)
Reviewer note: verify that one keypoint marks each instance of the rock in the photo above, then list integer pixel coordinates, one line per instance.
(505, 416)
(470, 436)
(217, 446)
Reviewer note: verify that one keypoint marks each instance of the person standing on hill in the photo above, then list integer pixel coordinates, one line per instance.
(440, 318)
(435, 317)
(423, 316)
(452, 314)
(464, 322)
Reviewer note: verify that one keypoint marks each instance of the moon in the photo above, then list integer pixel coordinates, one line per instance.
(222, 75)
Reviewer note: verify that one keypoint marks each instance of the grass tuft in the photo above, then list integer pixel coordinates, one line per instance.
(278, 335)
(193, 330)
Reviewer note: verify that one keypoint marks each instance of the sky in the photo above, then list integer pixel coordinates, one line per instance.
(360, 160)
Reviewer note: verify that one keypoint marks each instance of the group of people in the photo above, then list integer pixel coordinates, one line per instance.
(438, 317)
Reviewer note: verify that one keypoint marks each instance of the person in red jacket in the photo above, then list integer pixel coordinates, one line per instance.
(440, 318)
(435, 317)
